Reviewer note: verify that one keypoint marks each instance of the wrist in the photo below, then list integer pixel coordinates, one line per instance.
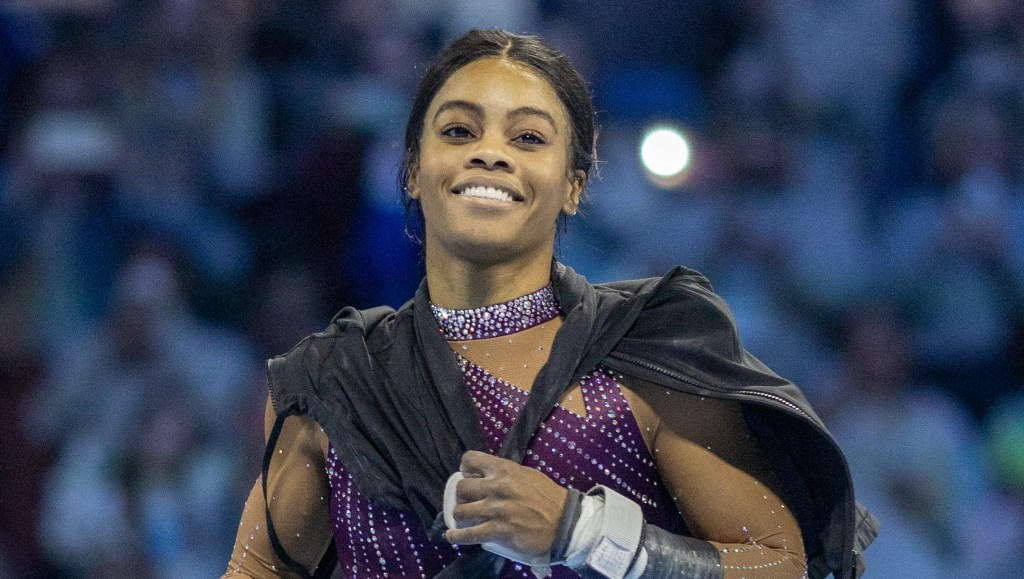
(612, 541)
(567, 525)
(606, 540)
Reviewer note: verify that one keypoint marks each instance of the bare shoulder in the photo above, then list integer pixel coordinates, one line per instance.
(688, 415)
(692, 421)
(298, 431)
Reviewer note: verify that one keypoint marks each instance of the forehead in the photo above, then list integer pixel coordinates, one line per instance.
(501, 84)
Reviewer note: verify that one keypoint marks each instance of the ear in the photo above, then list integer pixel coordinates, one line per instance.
(577, 182)
(412, 184)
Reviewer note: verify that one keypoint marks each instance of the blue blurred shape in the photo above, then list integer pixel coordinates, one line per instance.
(649, 92)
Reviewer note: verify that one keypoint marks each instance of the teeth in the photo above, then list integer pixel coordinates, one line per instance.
(488, 192)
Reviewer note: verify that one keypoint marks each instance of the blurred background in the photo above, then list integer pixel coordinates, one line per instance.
(188, 187)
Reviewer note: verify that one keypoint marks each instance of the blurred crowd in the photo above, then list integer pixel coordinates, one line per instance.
(188, 187)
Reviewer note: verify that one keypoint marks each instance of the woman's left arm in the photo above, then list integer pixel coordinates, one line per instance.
(721, 482)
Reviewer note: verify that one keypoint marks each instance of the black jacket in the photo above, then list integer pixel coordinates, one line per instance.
(386, 388)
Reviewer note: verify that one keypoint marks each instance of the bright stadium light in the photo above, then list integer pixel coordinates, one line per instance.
(665, 153)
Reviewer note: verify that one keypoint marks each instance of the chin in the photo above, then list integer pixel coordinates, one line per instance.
(480, 249)
(486, 251)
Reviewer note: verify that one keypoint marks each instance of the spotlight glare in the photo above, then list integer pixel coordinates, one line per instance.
(665, 152)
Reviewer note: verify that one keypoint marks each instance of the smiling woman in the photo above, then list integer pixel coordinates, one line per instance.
(492, 178)
(513, 420)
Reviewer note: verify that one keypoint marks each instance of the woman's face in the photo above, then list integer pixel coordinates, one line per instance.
(493, 175)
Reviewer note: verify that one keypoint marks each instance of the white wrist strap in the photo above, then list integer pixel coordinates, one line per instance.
(450, 499)
(607, 536)
(586, 531)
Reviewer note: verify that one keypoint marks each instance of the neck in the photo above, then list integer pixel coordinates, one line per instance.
(460, 284)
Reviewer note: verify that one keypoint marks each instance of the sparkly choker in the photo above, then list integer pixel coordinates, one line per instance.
(498, 319)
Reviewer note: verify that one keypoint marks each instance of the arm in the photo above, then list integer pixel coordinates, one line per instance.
(298, 491)
(720, 482)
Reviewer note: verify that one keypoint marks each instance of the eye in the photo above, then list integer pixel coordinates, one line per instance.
(457, 132)
(530, 138)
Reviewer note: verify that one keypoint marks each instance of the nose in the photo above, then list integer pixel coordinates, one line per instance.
(490, 155)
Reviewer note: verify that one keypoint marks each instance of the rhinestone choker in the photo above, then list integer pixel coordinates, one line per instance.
(498, 319)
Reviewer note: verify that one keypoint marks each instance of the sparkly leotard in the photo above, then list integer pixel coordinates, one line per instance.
(705, 453)
(604, 447)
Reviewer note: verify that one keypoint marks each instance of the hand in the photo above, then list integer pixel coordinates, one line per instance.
(503, 502)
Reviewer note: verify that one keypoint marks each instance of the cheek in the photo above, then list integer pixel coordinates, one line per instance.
(434, 167)
(557, 186)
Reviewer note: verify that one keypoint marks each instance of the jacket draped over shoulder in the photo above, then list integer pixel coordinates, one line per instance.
(386, 389)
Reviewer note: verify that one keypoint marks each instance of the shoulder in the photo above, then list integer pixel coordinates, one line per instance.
(681, 305)
(679, 280)
(684, 286)
(350, 328)
(680, 286)
(685, 335)
(342, 353)
(679, 422)
(690, 415)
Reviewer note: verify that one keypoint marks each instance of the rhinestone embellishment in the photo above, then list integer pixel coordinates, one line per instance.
(497, 319)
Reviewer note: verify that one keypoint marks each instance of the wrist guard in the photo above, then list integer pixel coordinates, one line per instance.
(612, 541)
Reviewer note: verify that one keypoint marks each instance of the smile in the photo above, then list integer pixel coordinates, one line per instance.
(487, 191)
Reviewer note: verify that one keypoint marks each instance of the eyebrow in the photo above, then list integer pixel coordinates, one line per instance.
(478, 111)
(534, 111)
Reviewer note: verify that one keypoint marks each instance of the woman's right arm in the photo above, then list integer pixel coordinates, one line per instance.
(298, 491)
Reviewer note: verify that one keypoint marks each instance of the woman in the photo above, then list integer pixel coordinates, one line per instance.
(534, 387)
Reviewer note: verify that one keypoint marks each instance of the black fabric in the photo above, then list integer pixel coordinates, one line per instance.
(388, 392)
(671, 556)
(325, 568)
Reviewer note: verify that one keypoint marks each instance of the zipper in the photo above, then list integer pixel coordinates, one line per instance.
(778, 399)
(698, 384)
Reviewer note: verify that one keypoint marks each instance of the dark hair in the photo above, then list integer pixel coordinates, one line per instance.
(528, 50)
